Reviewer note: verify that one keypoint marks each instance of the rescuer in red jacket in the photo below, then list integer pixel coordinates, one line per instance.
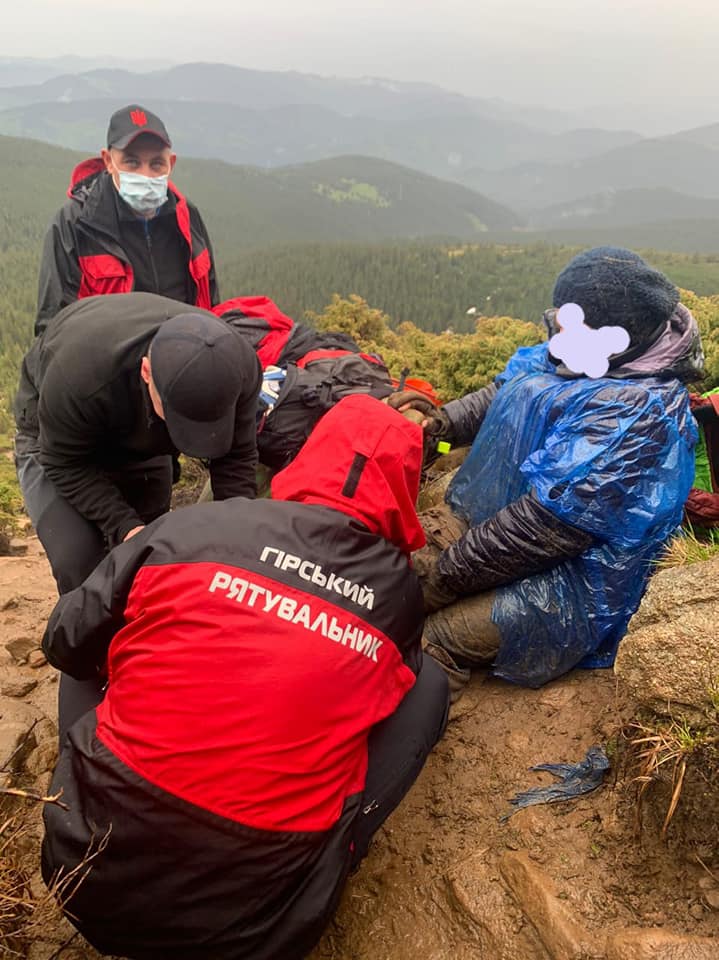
(125, 226)
(267, 704)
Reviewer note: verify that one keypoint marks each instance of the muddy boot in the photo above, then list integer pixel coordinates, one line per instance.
(458, 677)
(461, 636)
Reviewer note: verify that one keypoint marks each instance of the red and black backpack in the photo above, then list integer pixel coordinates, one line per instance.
(321, 369)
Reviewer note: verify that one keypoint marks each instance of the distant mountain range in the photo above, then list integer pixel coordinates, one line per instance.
(270, 119)
(528, 160)
(344, 198)
(674, 163)
(626, 208)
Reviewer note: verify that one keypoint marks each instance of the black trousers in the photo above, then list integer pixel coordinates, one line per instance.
(75, 545)
(397, 749)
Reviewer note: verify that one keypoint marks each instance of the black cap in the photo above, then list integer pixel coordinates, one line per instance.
(129, 122)
(199, 366)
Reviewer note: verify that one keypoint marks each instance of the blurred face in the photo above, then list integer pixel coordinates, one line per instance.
(146, 155)
(146, 374)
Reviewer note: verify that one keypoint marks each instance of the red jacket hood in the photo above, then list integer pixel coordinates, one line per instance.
(87, 170)
(363, 459)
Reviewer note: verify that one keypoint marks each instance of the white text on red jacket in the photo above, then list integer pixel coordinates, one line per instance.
(313, 573)
(253, 595)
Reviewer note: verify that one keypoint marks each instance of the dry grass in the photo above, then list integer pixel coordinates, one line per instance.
(687, 547)
(16, 902)
(23, 916)
(663, 751)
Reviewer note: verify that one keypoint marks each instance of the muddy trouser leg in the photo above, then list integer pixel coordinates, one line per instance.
(441, 526)
(461, 636)
(397, 750)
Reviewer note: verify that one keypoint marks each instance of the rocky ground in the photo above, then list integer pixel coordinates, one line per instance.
(447, 878)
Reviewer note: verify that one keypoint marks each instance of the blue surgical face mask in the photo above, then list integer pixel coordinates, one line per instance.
(143, 194)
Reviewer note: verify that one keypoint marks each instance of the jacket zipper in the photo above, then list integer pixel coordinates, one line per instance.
(148, 239)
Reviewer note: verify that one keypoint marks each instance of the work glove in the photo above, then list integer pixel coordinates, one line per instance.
(433, 420)
(435, 590)
(411, 399)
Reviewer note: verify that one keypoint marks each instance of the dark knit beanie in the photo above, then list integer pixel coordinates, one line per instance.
(615, 287)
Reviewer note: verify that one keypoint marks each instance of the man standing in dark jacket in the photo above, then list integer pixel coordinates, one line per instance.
(268, 704)
(125, 227)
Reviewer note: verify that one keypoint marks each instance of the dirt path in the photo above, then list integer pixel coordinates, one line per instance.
(447, 879)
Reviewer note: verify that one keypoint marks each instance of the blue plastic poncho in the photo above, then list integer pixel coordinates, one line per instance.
(612, 457)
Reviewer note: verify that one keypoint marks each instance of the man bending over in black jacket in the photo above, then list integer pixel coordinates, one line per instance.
(115, 386)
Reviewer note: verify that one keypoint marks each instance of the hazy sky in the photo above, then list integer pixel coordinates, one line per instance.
(563, 53)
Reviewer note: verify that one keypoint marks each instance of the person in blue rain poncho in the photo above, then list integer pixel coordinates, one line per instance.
(573, 483)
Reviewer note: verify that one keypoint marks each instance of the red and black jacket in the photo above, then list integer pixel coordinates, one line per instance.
(92, 247)
(250, 647)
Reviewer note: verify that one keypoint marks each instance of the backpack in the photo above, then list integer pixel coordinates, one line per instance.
(312, 386)
(305, 373)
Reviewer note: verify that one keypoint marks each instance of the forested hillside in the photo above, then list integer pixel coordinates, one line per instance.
(263, 226)
(432, 285)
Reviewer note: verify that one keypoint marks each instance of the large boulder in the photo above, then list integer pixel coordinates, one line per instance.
(669, 659)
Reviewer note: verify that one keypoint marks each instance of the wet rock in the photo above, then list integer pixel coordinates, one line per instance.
(36, 659)
(51, 951)
(17, 732)
(42, 759)
(46, 731)
(18, 687)
(20, 648)
(670, 655)
(712, 898)
(660, 945)
(480, 895)
(17, 547)
(560, 931)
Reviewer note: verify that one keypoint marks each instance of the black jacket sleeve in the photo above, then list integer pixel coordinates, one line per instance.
(465, 415)
(59, 280)
(234, 475)
(522, 539)
(85, 620)
(70, 435)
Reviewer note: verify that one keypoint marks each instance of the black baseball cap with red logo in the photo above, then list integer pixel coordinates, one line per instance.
(130, 122)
